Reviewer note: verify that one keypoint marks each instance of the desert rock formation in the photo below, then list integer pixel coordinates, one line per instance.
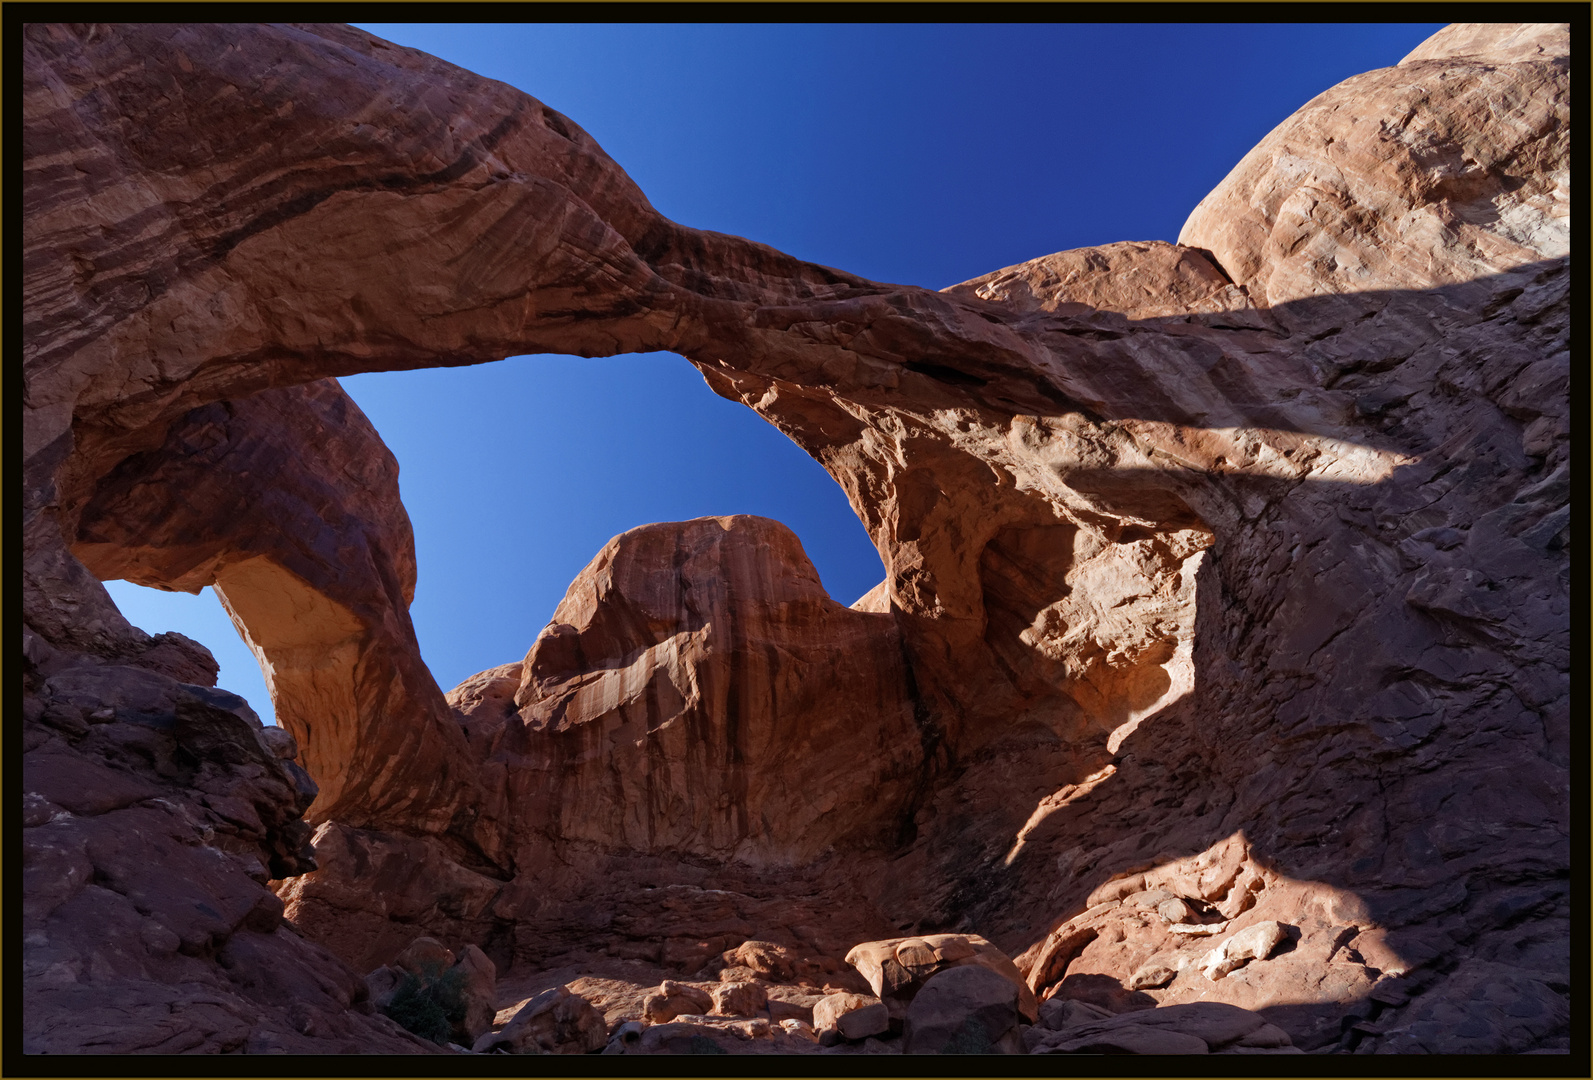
(155, 811)
(1222, 654)
(701, 666)
(318, 567)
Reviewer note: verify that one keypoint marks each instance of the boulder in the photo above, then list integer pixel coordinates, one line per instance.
(1215, 1023)
(1252, 943)
(1102, 991)
(1265, 1037)
(798, 1029)
(280, 742)
(967, 1009)
(896, 967)
(673, 999)
(774, 963)
(1154, 973)
(417, 880)
(740, 999)
(852, 1016)
(556, 1021)
(426, 957)
(1176, 910)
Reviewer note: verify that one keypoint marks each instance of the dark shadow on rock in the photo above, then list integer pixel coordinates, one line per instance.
(1381, 701)
(1104, 991)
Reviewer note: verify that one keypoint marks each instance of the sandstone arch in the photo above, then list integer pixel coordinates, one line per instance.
(1346, 470)
(312, 554)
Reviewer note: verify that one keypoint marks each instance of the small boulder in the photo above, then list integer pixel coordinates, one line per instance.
(556, 1021)
(740, 999)
(1242, 897)
(1176, 910)
(799, 1029)
(1156, 972)
(964, 1010)
(861, 1023)
(1253, 943)
(852, 1016)
(1147, 898)
(673, 999)
(426, 957)
(279, 742)
(776, 963)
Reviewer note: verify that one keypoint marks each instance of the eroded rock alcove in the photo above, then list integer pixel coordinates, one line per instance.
(1226, 581)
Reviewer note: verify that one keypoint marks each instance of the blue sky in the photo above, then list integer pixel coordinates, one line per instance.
(922, 154)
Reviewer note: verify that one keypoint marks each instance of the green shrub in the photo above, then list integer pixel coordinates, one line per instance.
(429, 1004)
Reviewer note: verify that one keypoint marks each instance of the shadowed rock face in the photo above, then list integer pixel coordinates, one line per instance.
(317, 568)
(1234, 570)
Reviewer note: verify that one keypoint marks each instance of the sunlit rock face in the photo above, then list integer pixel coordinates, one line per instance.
(697, 696)
(1462, 171)
(1226, 581)
(690, 694)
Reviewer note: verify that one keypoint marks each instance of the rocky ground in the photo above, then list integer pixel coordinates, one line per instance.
(942, 993)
